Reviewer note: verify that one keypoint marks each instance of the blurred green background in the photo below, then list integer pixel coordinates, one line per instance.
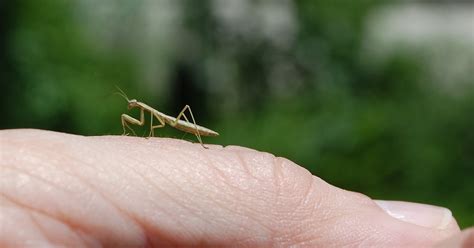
(372, 96)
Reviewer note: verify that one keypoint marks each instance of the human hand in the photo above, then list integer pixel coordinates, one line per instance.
(61, 189)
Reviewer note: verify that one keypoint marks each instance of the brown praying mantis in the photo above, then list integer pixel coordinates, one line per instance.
(176, 122)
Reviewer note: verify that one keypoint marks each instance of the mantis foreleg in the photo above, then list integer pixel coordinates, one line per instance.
(127, 118)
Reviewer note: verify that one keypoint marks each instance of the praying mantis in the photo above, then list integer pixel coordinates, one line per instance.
(163, 119)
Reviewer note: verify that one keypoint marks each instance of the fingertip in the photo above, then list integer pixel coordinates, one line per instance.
(419, 214)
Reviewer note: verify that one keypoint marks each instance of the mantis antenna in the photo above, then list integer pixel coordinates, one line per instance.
(121, 93)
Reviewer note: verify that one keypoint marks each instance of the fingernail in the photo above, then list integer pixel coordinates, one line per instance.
(419, 214)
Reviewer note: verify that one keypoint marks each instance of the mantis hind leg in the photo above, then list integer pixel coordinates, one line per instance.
(182, 114)
(128, 119)
(152, 128)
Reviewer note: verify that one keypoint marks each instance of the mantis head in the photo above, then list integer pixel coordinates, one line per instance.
(132, 103)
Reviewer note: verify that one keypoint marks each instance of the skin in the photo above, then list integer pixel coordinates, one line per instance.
(69, 190)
